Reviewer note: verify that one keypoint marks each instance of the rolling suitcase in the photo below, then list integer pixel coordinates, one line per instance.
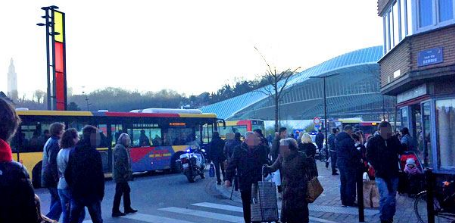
(264, 207)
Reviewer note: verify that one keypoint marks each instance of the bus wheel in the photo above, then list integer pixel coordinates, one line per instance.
(36, 175)
(174, 167)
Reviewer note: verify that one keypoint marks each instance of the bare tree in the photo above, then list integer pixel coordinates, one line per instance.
(277, 81)
(39, 94)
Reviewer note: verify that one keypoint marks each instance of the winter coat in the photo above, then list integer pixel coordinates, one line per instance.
(275, 151)
(17, 198)
(319, 140)
(216, 147)
(294, 183)
(412, 171)
(308, 148)
(332, 139)
(248, 162)
(122, 164)
(384, 156)
(49, 170)
(347, 155)
(84, 173)
(229, 148)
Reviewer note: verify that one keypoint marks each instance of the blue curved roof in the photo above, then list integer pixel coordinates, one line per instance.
(226, 109)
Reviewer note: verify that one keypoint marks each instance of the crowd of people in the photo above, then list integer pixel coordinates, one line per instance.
(68, 164)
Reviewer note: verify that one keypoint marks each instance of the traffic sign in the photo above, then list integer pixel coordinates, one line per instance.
(317, 121)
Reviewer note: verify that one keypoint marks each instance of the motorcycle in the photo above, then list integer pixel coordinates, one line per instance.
(192, 163)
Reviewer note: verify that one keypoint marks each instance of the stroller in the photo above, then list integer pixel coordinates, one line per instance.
(410, 184)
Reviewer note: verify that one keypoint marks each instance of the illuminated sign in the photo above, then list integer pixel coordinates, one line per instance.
(59, 55)
(177, 124)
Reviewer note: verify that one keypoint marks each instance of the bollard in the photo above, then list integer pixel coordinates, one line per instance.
(429, 178)
(360, 197)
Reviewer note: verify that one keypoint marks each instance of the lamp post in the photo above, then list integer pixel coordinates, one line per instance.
(324, 77)
(49, 23)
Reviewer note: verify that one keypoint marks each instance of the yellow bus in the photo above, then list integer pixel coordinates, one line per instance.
(169, 132)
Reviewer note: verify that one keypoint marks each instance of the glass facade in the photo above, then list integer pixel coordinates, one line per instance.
(398, 19)
(445, 127)
(425, 136)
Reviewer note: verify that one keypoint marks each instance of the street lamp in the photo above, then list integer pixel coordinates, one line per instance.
(324, 77)
(47, 24)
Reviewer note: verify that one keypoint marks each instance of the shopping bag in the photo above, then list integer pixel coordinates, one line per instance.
(277, 178)
(315, 189)
(264, 206)
(370, 194)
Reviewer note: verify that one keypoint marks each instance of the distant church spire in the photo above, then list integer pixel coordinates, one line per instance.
(12, 81)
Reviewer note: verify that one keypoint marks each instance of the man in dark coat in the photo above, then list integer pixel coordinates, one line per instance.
(281, 134)
(332, 149)
(216, 155)
(49, 170)
(348, 162)
(17, 198)
(294, 167)
(248, 159)
(231, 144)
(85, 177)
(319, 140)
(382, 153)
(122, 174)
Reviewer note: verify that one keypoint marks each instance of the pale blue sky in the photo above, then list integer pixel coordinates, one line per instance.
(190, 46)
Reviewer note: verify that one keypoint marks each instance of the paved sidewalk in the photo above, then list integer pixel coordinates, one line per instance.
(328, 205)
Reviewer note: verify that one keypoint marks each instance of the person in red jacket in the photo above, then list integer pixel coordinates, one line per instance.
(17, 198)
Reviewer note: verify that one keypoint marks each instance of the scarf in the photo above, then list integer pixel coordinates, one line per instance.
(5, 152)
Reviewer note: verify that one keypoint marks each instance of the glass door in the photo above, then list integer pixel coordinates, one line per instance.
(424, 138)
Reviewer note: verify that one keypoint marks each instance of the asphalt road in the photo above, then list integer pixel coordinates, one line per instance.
(167, 198)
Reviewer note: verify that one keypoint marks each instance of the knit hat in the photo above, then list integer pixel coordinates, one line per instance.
(5, 152)
(410, 161)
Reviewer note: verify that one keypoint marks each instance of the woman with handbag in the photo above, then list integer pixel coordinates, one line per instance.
(294, 167)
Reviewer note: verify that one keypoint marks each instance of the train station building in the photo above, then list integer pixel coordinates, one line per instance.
(418, 67)
(353, 90)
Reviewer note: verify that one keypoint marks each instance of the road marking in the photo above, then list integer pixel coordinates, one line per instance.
(204, 214)
(240, 210)
(341, 210)
(219, 206)
(153, 218)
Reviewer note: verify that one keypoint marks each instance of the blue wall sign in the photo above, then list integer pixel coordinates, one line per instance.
(430, 56)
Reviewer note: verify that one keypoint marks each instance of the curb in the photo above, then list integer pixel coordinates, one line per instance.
(226, 193)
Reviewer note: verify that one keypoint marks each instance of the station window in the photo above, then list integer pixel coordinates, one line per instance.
(405, 17)
(445, 118)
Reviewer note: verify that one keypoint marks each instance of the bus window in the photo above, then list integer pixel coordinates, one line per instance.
(78, 125)
(180, 136)
(116, 130)
(32, 137)
(145, 135)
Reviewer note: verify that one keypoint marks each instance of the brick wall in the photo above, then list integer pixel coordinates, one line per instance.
(398, 59)
(404, 56)
(444, 38)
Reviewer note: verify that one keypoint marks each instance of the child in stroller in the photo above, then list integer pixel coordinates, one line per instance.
(411, 179)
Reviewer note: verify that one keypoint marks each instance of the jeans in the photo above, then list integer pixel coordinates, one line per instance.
(93, 206)
(219, 164)
(388, 202)
(122, 189)
(348, 185)
(55, 207)
(246, 202)
(65, 200)
(333, 158)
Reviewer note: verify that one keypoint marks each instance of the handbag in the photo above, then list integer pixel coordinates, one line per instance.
(314, 189)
